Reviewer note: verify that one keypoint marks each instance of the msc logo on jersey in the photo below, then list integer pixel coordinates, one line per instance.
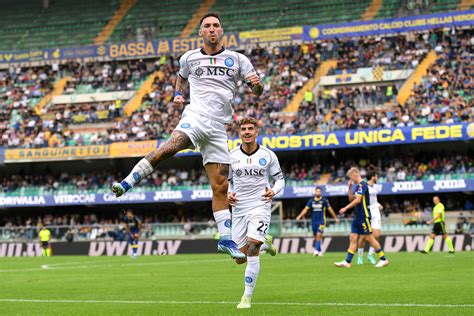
(220, 71)
(262, 161)
(185, 125)
(250, 172)
(229, 62)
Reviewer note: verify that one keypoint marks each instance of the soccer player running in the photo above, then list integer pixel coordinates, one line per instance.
(213, 73)
(250, 196)
(134, 228)
(360, 201)
(375, 219)
(319, 205)
(45, 238)
(439, 227)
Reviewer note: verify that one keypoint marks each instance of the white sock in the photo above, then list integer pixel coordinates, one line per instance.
(251, 275)
(223, 223)
(371, 251)
(360, 251)
(141, 170)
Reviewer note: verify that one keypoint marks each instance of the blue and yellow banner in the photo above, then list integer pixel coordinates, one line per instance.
(385, 26)
(314, 141)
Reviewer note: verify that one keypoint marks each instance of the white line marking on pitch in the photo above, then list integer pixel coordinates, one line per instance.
(12, 300)
(78, 265)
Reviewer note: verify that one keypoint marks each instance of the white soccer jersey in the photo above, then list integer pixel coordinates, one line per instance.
(213, 81)
(374, 203)
(249, 176)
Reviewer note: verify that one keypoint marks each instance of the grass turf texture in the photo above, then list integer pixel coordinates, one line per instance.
(193, 284)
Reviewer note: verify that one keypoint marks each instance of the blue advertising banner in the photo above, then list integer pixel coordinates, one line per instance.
(389, 188)
(362, 138)
(385, 26)
(316, 141)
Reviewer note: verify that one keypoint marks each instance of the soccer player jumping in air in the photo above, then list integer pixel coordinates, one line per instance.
(134, 228)
(360, 201)
(320, 205)
(213, 73)
(250, 195)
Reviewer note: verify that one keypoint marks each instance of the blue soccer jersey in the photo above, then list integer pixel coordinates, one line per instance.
(319, 208)
(132, 224)
(361, 222)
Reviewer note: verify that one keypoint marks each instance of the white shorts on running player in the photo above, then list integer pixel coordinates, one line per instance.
(376, 219)
(251, 224)
(206, 134)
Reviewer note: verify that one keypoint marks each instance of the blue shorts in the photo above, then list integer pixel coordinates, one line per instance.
(361, 226)
(318, 226)
(133, 240)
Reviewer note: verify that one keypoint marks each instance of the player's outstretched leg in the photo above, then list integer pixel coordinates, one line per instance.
(378, 249)
(177, 142)
(360, 251)
(268, 247)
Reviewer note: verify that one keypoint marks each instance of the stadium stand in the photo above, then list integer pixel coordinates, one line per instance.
(26, 25)
(284, 71)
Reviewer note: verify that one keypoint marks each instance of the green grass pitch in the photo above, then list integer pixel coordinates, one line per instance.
(413, 284)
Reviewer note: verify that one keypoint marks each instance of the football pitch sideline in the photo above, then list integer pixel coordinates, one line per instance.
(413, 284)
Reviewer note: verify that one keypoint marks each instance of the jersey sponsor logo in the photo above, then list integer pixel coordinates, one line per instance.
(199, 72)
(250, 172)
(262, 161)
(407, 186)
(229, 62)
(185, 125)
(449, 184)
(220, 71)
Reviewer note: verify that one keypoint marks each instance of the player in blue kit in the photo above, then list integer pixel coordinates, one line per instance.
(134, 228)
(360, 201)
(319, 205)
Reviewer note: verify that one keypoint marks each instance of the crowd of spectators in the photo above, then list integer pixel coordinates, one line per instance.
(403, 168)
(444, 95)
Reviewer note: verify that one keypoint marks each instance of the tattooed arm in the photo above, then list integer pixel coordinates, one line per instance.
(180, 90)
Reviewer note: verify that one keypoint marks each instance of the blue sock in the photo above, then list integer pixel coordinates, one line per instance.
(318, 245)
(381, 254)
(349, 257)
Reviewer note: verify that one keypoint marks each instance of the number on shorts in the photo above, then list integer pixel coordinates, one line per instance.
(263, 227)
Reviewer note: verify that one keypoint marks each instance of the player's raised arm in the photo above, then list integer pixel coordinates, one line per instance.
(349, 190)
(181, 82)
(250, 75)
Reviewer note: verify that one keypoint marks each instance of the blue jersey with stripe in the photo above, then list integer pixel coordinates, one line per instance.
(319, 208)
(362, 210)
(132, 224)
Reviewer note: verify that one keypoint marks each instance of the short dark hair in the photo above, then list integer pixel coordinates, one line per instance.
(318, 188)
(214, 14)
(371, 174)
